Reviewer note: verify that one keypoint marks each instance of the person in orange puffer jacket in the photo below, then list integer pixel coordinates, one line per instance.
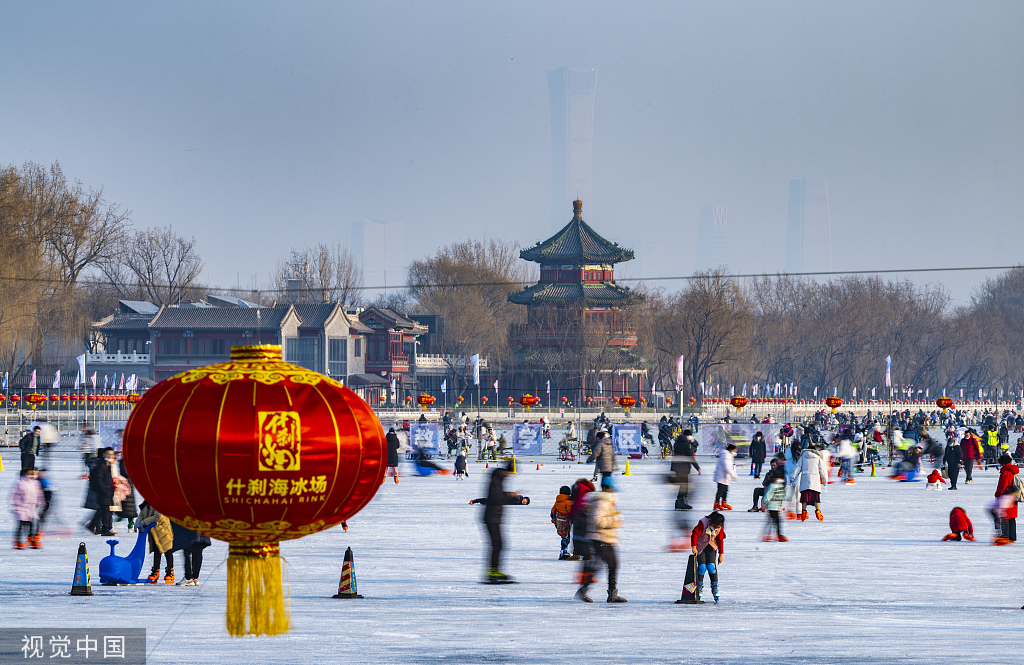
(560, 518)
(960, 526)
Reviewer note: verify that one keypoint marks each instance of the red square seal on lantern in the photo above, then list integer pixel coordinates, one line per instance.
(280, 439)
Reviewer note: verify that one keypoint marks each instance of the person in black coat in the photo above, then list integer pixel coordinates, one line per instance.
(495, 502)
(393, 446)
(758, 451)
(101, 482)
(683, 461)
(29, 445)
(953, 457)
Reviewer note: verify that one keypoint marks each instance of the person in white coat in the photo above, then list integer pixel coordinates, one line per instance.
(849, 456)
(811, 475)
(724, 474)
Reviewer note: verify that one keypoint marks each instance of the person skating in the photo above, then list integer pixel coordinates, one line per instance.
(461, 468)
(724, 474)
(1004, 510)
(934, 480)
(953, 457)
(26, 499)
(101, 482)
(602, 532)
(161, 542)
(393, 447)
(775, 495)
(960, 527)
(758, 452)
(604, 456)
(683, 461)
(578, 516)
(29, 446)
(971, 447)
(1007, 471)
(812, 475)
(759, 492)
(707, 542)
(193, 555)
(560, 518)
(495, 501)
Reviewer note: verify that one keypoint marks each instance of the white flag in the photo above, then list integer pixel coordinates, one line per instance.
(56, 379)
(680, 377)
(755, 390)
(854, 393)
(78, 380)
(394, 386)
(94, 380)
(600, 388)
(815, 391)
(888, 371)
(122, 381)
(495, 386)
(444, 386)
(652, 387)
(475, 359)
(549, 386)
(872, 393)
(32, 383)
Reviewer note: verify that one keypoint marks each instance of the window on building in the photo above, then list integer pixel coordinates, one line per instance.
(337, 357)
(357, 350)
(302, 351)
(171, 347)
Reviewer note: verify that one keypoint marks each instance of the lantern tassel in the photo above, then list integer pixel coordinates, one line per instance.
(255, 589)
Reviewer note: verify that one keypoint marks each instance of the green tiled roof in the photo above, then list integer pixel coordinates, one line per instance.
(591, 294)
(576, 243)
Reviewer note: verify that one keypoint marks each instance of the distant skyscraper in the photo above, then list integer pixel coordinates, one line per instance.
(572, 135)
(713, 238)
(380, 247)
(809, 230)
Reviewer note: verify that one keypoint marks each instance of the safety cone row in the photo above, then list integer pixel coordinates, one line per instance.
(82, 584)
(347, 587)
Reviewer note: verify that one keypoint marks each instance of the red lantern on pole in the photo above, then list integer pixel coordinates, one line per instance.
(833, 403)
(483, 399)
(738, 402)
(528, 400)
(944, 403)
(626, 402)
(510, 400)
(15, 399)
(425, 400)
(134, 398)
(273, 451)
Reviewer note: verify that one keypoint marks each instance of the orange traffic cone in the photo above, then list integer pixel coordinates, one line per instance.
(347, 586)
(538, 467)
(82, 585)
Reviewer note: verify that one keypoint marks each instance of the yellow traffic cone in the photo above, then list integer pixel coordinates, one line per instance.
(873, 475)
(82, 585)
(347, 587)
(514, 466)
(627, 472)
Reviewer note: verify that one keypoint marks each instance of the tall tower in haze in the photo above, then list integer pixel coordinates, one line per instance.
(713, 238)
(380, 248)
(809, 228)
(572, 135)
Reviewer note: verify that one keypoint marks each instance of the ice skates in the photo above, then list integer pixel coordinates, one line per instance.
(817, 513)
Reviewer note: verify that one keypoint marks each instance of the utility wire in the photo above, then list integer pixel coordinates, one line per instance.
(217, 290)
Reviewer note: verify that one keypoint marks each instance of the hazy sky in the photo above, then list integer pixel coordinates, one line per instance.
(261, 126)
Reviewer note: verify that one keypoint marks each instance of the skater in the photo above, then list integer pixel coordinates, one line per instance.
(953, 457)
(128, 509)
(775, 495)
(792, 462)
(461, 469)
(29, 445)
(101, 482)
(578, 516)
(848, 454)
(26, 500)
(193, 555)
(724, 474)
(759, 492)
(960, 527)
(707, 541)
(683, 461)
(1007, 475)
(48, 488)
(161, 542)
(1004, 510)
(934, 478)
(495, 501)
(813, 476)
(560, 518)
(758, 451)
(393, 447)
(602, 532)
(604, 456)
(971, 447)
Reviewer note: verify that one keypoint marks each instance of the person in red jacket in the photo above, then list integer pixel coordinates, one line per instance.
(959, 525)
(934, 478)
(707, 541)
(971, 447)
(1007, 470)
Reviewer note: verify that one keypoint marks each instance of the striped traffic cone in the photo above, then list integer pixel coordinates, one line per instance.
(347, 587)
(82, 584)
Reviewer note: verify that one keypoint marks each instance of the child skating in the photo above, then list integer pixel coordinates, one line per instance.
(934, 478)
(774, 496)
(707, 542)
(560, 518)
(724, 474)
(960, 527)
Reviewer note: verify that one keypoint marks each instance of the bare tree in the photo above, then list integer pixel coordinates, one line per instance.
(323, 273)
(163, 266)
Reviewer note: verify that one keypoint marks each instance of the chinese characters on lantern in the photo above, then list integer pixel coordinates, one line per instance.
(274, 491)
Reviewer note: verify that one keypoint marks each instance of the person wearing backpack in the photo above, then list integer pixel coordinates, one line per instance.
(1008, 475)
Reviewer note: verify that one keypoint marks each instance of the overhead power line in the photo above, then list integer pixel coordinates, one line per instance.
(218, 290)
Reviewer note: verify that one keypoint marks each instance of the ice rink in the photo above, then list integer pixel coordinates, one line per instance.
(872, 584)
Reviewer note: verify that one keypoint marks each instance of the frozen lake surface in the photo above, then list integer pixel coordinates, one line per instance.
(872, 584)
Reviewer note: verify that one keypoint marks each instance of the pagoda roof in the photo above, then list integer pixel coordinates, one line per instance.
(576, 243)
(606, 294)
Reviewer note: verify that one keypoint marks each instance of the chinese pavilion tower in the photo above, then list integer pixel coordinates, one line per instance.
(578, 319)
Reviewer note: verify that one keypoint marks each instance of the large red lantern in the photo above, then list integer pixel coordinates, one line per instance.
(626, 402)
(833, 403)
(483, 399)
(425, 400)
(15, 399)
(255, 451)
(738, 402)
(944, 403)
(528, 400)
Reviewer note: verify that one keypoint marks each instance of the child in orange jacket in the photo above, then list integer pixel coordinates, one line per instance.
(960, 526)
(560, 518)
